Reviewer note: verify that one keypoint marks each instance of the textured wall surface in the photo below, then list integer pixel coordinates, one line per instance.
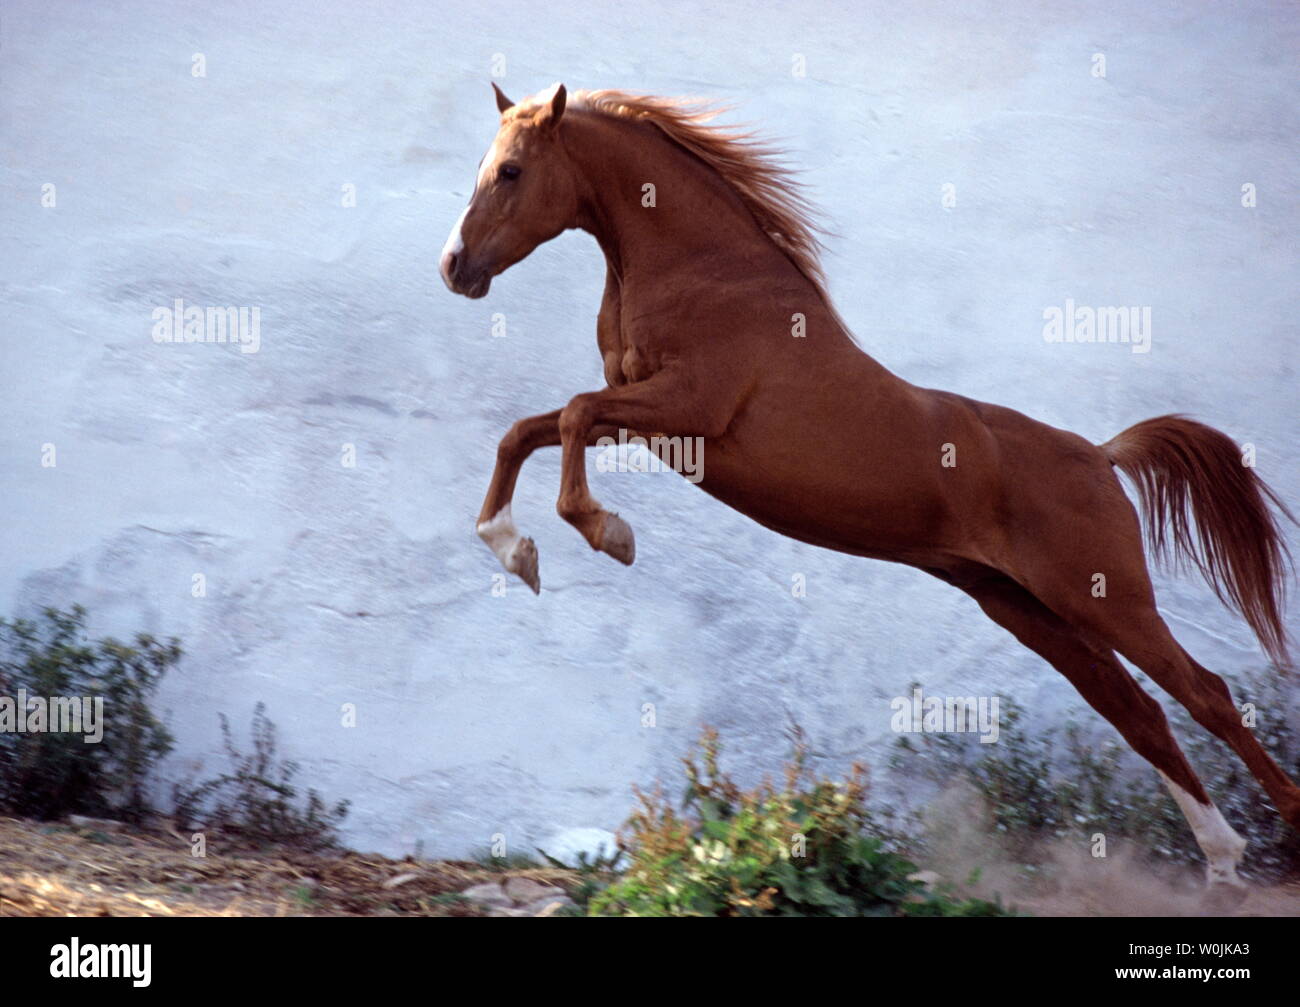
(329, 585)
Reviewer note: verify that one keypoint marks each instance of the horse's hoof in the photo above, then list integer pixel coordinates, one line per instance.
(524, 564)
(517, 554)
(616, 538)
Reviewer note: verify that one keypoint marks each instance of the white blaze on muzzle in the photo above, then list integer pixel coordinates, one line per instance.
(455, 243)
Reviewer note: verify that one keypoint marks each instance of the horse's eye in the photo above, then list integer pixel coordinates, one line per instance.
(509, 172)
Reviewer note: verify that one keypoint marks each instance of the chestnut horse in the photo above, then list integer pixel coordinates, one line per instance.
(716, 324)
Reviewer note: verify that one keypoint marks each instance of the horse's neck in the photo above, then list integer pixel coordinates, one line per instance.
(697, 218)
(690, 209)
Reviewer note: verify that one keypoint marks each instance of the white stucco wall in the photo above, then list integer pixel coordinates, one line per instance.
(521, 715)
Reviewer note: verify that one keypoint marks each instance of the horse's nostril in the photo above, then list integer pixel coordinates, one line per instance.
(448, 266)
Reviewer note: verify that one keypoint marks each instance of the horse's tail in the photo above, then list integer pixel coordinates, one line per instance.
(1203, 504)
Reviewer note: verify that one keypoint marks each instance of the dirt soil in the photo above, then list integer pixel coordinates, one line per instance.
(1069, 881)
(105, 869)
(57, 869)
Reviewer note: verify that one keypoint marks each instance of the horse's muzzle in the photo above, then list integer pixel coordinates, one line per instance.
(461, 279)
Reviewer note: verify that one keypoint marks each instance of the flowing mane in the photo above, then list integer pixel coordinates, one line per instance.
(751, 167)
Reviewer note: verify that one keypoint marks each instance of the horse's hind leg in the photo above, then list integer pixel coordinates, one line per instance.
(1107, 541)
(1110, 690)
(1145, 640)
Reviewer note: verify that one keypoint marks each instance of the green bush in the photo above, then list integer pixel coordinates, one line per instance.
(48, 775)
(256, 803)
(800, 849)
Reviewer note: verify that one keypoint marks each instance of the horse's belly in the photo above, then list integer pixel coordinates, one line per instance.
(809, 497)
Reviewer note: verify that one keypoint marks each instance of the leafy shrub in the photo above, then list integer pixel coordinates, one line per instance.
(800, 849)
(48, 775)
(256, 803)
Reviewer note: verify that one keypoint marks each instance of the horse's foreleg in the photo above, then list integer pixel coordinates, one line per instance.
(495, 525)
(663, 403)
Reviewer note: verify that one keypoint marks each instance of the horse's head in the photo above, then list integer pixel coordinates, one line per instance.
(525, 194)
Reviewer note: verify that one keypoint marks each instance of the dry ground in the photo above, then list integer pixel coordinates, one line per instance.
(1071, 882)
(54, 869)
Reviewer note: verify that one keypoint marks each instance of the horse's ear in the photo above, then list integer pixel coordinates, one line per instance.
(553, 108)
(503, 102)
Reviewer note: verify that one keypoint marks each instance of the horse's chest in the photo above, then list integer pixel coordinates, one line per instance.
(627, 354)
(629, 363)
